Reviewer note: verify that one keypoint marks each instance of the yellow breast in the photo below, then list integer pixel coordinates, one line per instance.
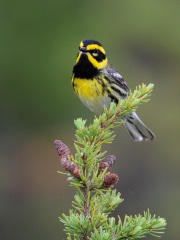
(92, 94)
(87, 89)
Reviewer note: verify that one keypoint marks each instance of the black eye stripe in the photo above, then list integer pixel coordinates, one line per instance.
(94, 50)
(100, 56)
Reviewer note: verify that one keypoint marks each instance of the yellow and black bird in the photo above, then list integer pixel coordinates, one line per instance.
(97, 84)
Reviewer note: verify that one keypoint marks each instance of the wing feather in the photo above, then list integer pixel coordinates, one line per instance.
(116, 81)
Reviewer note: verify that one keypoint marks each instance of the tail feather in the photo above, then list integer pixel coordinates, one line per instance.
(137, 128)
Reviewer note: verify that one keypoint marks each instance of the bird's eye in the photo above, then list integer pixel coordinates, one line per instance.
(95, 50)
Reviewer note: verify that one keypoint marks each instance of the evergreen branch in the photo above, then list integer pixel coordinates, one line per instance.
(131, 228)
(138, 226)
(89, 172)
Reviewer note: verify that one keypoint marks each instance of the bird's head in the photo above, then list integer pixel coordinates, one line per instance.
(94, 53)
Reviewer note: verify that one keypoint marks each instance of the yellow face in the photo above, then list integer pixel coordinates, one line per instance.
(95, 53)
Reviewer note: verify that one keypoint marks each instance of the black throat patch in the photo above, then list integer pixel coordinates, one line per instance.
(84, 68)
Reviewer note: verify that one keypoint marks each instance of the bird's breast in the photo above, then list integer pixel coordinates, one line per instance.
(91, 93)
(86, 89)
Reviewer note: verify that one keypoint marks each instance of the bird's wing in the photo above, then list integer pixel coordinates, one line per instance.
(117, 81)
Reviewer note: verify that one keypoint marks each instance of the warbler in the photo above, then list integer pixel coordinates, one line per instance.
(97, 84)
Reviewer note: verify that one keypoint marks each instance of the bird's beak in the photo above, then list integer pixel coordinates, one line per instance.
(83, 49)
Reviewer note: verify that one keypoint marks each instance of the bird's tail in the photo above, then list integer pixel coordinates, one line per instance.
(137, 129)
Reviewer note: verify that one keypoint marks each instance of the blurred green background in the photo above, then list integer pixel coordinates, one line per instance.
(38, 46)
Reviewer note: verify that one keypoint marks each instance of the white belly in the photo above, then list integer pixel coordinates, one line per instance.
(98, 105)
